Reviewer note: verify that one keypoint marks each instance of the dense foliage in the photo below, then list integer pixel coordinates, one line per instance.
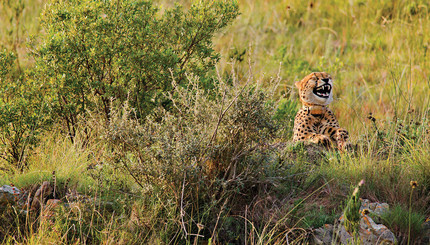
(24, 110)
(97, 52)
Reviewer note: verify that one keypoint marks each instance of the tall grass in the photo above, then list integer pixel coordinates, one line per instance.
(376, 51)
(19, 21)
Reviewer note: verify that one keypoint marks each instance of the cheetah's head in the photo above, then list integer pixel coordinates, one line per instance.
(316, 89)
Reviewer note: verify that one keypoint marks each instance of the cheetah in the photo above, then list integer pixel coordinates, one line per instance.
(315, 122)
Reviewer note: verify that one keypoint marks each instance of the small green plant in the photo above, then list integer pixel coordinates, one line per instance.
(414, 185)
(351, 213)
(317, 217)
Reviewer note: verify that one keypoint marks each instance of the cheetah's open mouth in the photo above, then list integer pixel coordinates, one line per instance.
(323, 91)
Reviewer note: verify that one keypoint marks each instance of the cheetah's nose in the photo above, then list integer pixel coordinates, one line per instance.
(325, 80)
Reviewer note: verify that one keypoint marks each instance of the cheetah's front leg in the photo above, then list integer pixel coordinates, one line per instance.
(319, 139)
(341, 136)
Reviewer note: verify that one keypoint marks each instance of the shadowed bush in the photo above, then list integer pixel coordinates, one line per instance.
(206, 156)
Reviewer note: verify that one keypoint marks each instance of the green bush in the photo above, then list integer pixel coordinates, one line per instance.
(99, 51)
(24, 111)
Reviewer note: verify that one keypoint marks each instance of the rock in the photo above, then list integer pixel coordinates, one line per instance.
(369, 231)
(44, 190)
(343, 235)
(372, 233)
(13, 196)
(426, 231)
(376, 209)
(52, 204)
(48, 210)
(323, 235)
(9, 194)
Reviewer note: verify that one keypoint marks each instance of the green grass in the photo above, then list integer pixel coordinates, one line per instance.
(376, 51)
(378, 54)
(397, 220)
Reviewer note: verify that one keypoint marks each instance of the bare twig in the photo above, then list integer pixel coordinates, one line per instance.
(222, 113)
(217, 220)
(183, 212)
(182, 206)
(246, 222)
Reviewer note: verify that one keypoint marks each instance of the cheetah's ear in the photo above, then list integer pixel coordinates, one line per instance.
(297, 84)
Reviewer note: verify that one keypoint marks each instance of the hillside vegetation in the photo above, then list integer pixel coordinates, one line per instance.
(171, 123)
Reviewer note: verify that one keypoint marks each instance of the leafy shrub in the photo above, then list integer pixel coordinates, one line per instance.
(24, 112)
(96, 51)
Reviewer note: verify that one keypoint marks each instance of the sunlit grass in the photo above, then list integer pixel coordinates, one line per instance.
(19, 20)
(376, 51)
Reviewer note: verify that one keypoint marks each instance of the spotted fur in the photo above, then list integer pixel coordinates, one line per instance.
(315, 122)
